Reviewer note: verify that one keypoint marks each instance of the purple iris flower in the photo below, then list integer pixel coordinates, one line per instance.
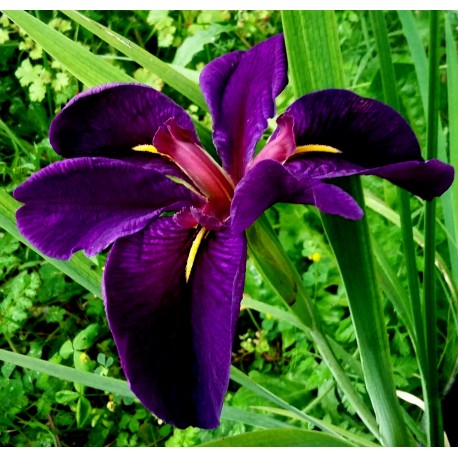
(136, 176)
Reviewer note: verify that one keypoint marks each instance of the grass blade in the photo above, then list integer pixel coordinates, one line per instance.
(450, 198)
(239, 377)
(96, 381)
(432, 399)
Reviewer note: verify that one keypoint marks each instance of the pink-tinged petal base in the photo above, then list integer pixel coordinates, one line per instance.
(280, 148)
(209, 178)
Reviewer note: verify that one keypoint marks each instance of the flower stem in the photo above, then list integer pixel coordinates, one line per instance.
(432, 400)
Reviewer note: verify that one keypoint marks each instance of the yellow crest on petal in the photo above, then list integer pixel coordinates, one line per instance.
(316, 149)
(193, 251)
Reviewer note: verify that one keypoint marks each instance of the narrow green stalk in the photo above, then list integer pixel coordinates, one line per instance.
(432, 400)
(315, 33)
(391, 97)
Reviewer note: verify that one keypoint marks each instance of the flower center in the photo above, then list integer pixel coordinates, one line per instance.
(209, 178)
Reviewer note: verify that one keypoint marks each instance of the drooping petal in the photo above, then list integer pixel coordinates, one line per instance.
(270, 182)
(149, 315)
(240, 89)
(174, 338)
(109, 120)
(426, 179)
(87, 203)
(217, 283)
(368, 132)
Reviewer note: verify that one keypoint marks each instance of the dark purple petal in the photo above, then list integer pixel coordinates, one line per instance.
(109, 120)
(87, 203)
(150, 317)
(174, 338)
(368, 132)
(240, 89)
(269, 182)
(426, 179)
(217, 283)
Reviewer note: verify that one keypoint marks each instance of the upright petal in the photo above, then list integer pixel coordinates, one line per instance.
(240, 89)
(109, 120)
(269, 182)
(368, 132)
(174, 338)
(87, 203)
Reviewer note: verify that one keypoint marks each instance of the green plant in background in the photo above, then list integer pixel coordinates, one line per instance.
(290, 384)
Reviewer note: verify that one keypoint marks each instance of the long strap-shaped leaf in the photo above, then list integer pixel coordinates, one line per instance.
(121, 388)
(279, 438)
(350, 239)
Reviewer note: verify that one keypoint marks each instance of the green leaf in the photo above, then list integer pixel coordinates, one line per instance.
(276, 312)
(66, 396)
(251, 418)
(420, 61)
(96, 381)
(83, 411)
(312, 43)
(85, 338)
(243, 379)
(280, 438)
(313, 65)
(66, 350)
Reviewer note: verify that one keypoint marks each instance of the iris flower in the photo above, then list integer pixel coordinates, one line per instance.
(136, 176)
